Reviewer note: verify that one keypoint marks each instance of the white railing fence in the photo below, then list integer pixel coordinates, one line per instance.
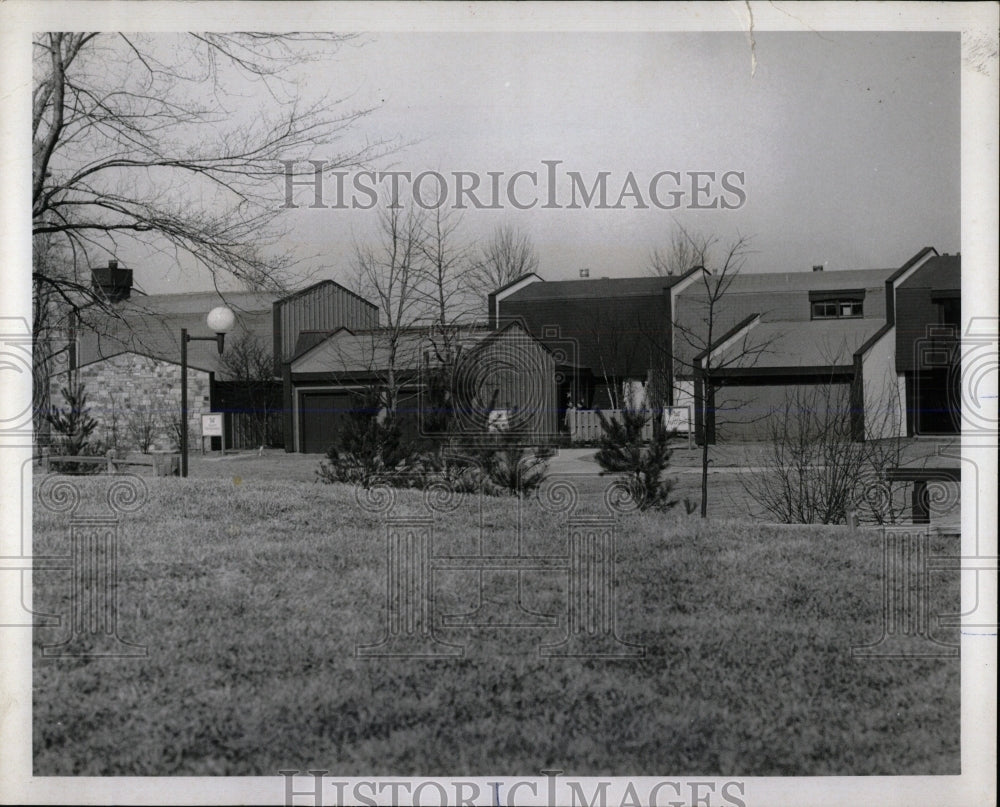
(585, 425)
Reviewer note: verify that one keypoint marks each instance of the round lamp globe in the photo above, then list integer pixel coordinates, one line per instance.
(221, 320)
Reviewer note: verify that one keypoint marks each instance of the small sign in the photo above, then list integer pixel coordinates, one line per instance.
(211, 425)
(497, 421)
(677, 418)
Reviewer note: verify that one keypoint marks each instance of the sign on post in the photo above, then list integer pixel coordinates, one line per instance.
(678, 418)
(211, 426)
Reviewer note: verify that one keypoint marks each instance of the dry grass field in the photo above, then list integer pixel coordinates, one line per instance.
(251, 586)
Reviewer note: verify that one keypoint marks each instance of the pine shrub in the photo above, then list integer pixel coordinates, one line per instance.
(623, 451)
(73, 427)
(369, 447)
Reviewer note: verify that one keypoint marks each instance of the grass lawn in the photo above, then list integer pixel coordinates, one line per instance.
(252, 591)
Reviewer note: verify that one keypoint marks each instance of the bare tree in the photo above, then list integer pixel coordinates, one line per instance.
(389, 275)
(142, 426)
(815, 469)
(702, 331)
(684, 252)
(50, 322)
(449, 303)
(250, 366)
(507, 255)
(139, 142)
(444, 282)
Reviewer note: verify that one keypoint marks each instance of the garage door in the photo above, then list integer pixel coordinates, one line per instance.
(748, 412)
(320, 418)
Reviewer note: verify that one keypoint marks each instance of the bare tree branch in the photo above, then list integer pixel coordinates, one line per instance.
(388, 273)
(696, 346)
(506, 256)
(684, 252)
(151, 142)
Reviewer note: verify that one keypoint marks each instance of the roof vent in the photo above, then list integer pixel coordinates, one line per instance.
(817, 267)
(584, 273)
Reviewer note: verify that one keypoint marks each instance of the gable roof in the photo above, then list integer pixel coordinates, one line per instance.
(516, 280)
(150, 325)
(939, 273)
(367, 349)
(517, 329)
(318, 285)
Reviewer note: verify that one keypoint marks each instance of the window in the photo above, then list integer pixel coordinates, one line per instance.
(837, 304)
(949, 309)
(837, 309)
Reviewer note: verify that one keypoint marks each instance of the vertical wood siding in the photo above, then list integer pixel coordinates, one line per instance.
(325, 307)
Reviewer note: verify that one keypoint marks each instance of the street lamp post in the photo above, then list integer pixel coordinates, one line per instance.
(221, 320)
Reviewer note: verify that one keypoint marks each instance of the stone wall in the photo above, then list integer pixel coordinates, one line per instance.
(130, 394)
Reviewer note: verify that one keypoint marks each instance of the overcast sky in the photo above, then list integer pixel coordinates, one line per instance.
(843, 147)
(848, 143)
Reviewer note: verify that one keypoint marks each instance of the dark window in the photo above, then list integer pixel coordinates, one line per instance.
(837, 303)
(949, 311)
(837, 309)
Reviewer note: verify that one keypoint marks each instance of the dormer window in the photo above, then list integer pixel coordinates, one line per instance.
(842, 304)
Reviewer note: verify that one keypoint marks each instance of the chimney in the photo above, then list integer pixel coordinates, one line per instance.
(817, 267)
(584, 273)
(112, 283)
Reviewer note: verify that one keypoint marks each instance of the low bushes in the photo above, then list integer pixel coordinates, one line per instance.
(370, 450)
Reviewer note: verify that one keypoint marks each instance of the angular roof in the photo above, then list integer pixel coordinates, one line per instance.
(801, 281)
(320, 284)
(595, 288)
(804, 344)
(150, 325)
(309, 339)
(515, 281)
(197, 302)
(522, 335)
(940, 273)
(367, 350)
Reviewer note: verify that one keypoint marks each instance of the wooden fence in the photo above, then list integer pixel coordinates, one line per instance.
(585, 426)
(244, 430)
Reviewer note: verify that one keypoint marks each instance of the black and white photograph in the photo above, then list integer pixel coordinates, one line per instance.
(499, 403)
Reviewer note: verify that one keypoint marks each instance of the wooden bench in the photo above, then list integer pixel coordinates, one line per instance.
(920, 477)
(162, 464)
(51, 462)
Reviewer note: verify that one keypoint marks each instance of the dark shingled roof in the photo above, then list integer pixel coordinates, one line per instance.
(150, 325)
(800, 281)
(595, 288)
(816, 343)
(941, 273)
